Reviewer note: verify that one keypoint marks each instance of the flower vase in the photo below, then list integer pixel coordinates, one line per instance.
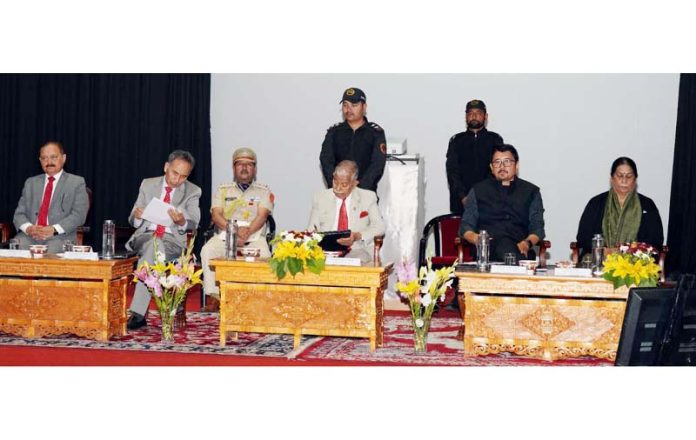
(420, 342)
(167, 318)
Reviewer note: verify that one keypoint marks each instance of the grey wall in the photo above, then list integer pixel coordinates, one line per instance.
(568, 129)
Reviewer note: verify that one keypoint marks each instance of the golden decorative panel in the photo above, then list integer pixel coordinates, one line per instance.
(550, 319)
(52, 296)
(341, 301)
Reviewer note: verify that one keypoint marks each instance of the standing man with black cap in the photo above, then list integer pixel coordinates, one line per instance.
(469, 154)
(355, 139)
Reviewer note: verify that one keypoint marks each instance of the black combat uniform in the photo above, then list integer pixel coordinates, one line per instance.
(366, 146)
(468, 160)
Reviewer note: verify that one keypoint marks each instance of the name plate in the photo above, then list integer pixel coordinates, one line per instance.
(513, 270)
(337, 261)
(81, 256)
(573, 272)
(17, 253)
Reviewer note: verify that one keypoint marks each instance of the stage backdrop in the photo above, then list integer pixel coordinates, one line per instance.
(568, 129)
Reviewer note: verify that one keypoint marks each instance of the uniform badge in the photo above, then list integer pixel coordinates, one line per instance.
(383, 148)
(272, 197)
(350, 92)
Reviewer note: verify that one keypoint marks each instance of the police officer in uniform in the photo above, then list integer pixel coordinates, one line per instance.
(245, 200)
(469, 154)
(355, 139)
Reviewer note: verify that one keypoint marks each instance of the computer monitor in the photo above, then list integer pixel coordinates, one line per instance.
(645, 326)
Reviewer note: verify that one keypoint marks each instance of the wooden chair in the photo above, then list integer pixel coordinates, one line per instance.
(662, 256)
(82, 230)
(5, 232)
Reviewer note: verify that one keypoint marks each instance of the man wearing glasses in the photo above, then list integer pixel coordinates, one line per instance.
(53, 205)
(509, 208)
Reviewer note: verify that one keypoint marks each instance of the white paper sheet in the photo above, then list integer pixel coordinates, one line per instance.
(156, 212)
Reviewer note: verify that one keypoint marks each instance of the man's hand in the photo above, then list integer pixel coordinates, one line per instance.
(177, 217)
(138, 213)
(40, 232)
(523, 247)
(348, 241)
(243, 233)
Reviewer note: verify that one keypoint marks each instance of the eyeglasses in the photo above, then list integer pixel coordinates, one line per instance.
(500, 162)
(47, 158)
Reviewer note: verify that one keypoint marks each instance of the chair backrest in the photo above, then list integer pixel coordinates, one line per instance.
(444, 230)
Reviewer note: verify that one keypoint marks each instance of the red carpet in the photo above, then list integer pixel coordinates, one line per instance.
(198, 345)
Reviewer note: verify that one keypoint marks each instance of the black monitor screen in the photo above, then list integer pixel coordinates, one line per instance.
(647, 318)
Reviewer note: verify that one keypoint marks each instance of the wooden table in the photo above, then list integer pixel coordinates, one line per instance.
(541, 316)
(341, 301)
(52, 296)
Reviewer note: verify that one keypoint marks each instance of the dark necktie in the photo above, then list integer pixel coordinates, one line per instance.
(159, 232)
(46, 202)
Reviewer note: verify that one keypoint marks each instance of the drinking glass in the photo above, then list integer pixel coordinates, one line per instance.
(14, 243)
(510, 259)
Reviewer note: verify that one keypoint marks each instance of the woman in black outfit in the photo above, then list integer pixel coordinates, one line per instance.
(621, 214)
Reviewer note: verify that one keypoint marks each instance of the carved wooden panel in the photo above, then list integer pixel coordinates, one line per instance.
(86, 298)
(334, 303)
(548, 328)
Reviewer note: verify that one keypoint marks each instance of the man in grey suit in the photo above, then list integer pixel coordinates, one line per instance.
(53, 205)
(172, 188)
(345, 206)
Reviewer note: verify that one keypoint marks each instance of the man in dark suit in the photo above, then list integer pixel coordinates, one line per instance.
(53, 205)
(172, 188)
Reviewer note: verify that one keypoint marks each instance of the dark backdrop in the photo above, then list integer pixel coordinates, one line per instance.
(681, 236)
(116, 128)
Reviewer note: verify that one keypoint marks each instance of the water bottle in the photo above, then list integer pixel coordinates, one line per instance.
(483, 250)
(108, 239)
(597, 254)
(231, 240)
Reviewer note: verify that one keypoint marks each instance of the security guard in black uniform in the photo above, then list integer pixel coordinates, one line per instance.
(355, 139)
(469, 154)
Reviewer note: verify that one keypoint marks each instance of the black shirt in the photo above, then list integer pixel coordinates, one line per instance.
(468, 160)
(366, 146)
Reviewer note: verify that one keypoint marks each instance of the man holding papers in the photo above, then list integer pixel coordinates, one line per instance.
(346, 207)
(167, 207)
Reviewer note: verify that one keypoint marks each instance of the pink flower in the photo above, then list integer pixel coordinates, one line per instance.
(405, 271)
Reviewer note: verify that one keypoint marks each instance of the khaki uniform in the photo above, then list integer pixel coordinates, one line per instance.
(242, 206)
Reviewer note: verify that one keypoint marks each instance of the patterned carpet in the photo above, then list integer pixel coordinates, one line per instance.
(202, 336)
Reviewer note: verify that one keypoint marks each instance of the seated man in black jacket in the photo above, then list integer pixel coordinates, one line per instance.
(509, 208)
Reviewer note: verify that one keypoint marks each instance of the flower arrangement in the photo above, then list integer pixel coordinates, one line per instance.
(422, 290)
(633, 265)
(168, 282)
(294, 251)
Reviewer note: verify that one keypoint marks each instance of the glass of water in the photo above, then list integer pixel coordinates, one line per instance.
(510, 259)
(67, 246)
(14, 243)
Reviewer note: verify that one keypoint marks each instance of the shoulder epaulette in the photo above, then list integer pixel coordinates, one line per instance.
(227, 184)
(334, 126)
(260, 185)
(376, 126)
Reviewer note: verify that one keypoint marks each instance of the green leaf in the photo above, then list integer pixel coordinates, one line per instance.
(294, 266)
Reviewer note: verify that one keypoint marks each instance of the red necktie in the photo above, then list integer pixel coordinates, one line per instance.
(46, 202)
(159, 232)
(343, 217)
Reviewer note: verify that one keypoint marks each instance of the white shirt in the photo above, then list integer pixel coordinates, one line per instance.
(338, 210)
(55, 184)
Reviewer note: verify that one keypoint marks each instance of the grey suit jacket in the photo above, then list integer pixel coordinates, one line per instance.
(185, 199)
(69, 204)
(363, 216)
